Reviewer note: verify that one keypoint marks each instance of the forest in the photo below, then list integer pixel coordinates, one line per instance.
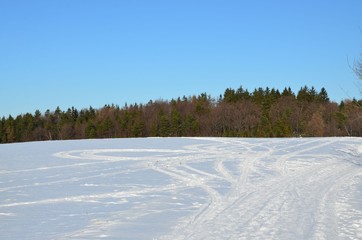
(237, 113)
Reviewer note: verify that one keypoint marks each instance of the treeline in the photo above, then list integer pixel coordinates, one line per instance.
(236, 113)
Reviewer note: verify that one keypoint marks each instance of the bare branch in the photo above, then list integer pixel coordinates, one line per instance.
(357, 68)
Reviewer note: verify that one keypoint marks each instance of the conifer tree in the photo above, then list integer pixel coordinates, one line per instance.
(2, 130)
(323, 96)
(9, 129)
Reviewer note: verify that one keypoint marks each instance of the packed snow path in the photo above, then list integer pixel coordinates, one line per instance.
(182, 188)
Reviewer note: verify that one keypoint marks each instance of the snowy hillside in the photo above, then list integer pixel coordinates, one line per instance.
(182, 188)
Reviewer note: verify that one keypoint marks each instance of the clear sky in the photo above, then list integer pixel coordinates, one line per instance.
(85, 53)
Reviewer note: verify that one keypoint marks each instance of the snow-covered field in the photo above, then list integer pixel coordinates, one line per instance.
(182, 188)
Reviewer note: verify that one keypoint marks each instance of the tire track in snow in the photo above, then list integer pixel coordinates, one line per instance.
(282, 160)
(249, 210)
(218, 203)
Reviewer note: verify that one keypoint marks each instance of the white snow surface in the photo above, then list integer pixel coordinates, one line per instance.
(182, 188)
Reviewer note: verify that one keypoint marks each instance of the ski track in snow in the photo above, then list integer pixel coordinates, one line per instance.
(196, 188)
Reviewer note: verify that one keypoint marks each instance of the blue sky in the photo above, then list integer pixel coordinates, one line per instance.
(90, 53)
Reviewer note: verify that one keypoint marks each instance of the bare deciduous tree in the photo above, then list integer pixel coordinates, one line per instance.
(357, 67)
(316, 125)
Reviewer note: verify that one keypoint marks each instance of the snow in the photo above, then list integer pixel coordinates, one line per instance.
(182, 188)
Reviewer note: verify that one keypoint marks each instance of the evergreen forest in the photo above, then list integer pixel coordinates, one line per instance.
(236, 113)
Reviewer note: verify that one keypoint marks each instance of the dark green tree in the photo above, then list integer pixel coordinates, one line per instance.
(90, 131)
(323, 96)
(164, 130)
(2, 130)
(9, 130)
(176, 127)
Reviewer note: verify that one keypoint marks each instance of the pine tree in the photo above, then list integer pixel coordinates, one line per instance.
(176, 123)
(90, 131)
(323, 96)
(9, 130)
(164, 130)
(2, 130)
